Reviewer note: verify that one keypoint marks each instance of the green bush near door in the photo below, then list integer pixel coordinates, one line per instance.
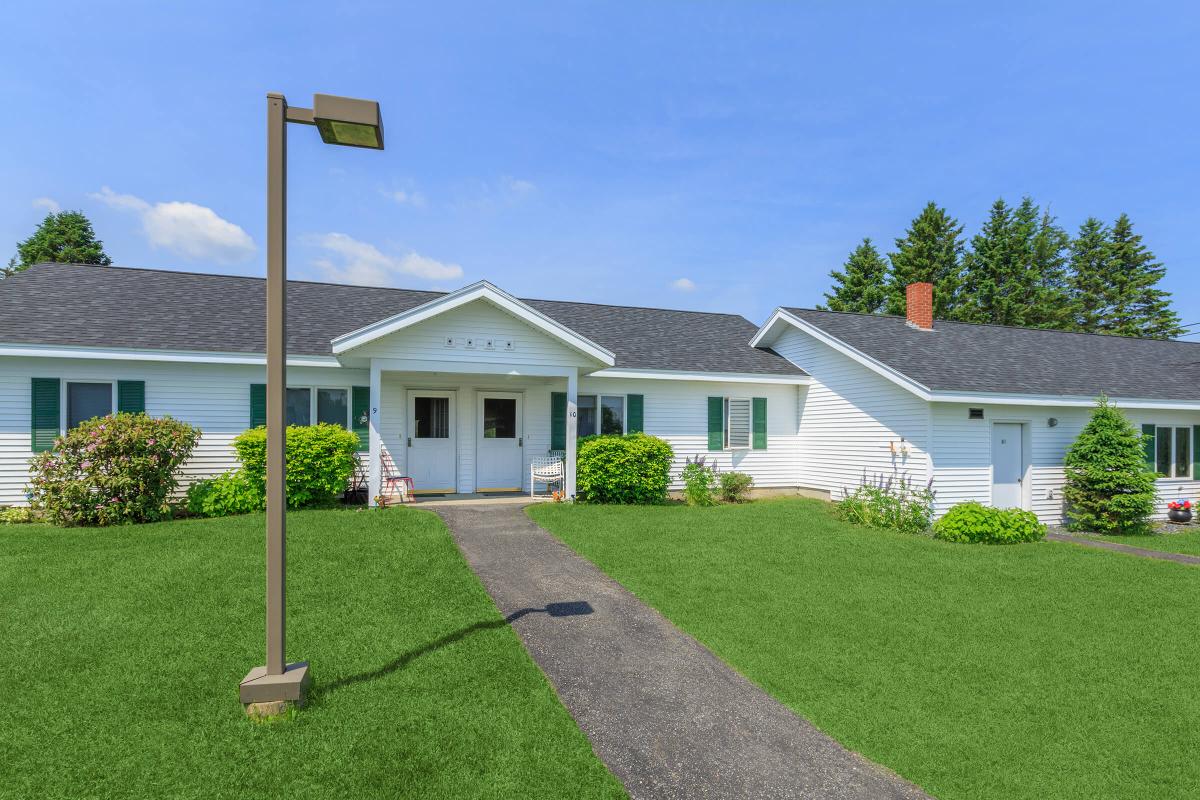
(974, 523)
(623, 469)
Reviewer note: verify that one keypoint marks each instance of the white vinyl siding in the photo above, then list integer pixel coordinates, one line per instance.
(853, 423)
(463, 334)
(962, 453)
(213, 397)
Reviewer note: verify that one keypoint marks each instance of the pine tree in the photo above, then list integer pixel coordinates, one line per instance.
(1141, 308)
(65, 237)
(861, 284)
(1089, 277)
(1108, 488)
(931, 250)
(1014, 273)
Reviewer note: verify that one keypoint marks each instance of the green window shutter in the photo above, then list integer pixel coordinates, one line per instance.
(634, 410)
(360, 409)
(558, 420)
(44, 413)
(131, 397)
(1148, 442)
(1195, 451)
(758, 423)
(716, 423)
(258, 404)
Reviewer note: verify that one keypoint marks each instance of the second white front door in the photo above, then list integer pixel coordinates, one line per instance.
(499, 441)
(431, 441)
(1008, 465)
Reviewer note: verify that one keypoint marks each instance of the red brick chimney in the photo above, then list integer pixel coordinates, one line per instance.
(919, 299)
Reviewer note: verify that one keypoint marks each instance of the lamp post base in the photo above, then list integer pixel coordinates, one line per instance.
(291, 687)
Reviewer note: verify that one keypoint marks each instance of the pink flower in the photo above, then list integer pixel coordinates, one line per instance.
(150, 441)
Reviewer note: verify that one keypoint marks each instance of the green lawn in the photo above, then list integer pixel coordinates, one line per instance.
(1031, 671)
(1187, 540)
(121, 651)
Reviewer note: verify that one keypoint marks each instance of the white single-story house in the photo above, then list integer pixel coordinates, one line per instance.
(463, 388)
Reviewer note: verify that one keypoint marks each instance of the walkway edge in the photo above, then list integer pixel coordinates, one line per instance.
(1127, 549)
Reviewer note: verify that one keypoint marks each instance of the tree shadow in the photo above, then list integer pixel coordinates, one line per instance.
(567, 609)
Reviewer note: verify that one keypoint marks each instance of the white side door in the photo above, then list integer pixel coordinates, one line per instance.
(431, 441)
(1008, 465)
(498, 447)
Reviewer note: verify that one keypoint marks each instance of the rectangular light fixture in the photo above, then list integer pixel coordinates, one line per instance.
(348, 121)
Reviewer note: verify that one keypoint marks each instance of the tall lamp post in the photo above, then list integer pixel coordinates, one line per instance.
(340, 120)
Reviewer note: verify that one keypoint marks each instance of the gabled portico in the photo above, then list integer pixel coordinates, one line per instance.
(462, 387)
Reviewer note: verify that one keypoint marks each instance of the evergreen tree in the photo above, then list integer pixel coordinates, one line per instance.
(1014, 273)
(1108, 488)
(861, 284)
(931, 250)
(1090, 276)
(65, 237)
(1140, 307)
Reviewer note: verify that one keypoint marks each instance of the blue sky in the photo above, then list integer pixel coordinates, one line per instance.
(689, 155)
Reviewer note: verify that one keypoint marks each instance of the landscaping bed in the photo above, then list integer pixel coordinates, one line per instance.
(1025, 671)
(123, 648)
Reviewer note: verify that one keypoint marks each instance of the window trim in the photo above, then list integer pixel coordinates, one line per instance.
(64, 399)
(579, 434)
(1173, 439)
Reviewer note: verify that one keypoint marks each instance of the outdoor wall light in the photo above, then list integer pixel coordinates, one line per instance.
(1052, 422)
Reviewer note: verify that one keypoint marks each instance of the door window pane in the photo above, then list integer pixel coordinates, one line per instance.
(612, 415)
(299, 411)
(431, 417)
(499, 418)
(332, 406)
(1183, 452)
(587, 415)
(87, 400)
(1162, 452)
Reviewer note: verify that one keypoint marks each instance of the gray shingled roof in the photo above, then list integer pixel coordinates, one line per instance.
(90, 306)
(957, 356)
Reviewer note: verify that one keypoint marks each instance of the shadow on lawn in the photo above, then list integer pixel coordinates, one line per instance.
(574, 608)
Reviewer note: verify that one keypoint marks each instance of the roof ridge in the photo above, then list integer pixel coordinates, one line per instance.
(988, 325)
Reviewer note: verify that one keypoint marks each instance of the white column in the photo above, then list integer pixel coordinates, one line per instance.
(375, 468)
(572, 428)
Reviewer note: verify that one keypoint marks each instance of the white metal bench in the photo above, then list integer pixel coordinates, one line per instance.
(548, 470)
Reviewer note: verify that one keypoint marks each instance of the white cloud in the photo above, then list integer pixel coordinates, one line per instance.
(190, 230)
(49, 203)
(406, 197)
(683, 285)
(518, 187)
(364, 264)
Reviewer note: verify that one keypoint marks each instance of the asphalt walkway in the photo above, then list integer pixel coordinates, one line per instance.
(1178, 558)
(668, 718)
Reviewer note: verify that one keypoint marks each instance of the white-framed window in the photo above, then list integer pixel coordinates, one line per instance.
(307, 405)
(86, 400)
(1173, 451)
(737, 423)
(601, 413)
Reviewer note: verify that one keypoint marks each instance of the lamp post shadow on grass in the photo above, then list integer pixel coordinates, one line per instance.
(573, 608)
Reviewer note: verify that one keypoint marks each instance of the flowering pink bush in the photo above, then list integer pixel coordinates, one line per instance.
(112, 470)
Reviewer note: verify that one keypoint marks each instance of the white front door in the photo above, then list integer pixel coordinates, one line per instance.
(431, 441)
(1008, 465)
(498, 460)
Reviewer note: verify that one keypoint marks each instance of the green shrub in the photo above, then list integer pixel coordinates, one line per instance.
(623, 469)
(1108, 488)
(17, 516)
(735, 486)
(699, 482)
(230, 493)
(112, 470)
(974, 523)
(891, 503)
(320, 461)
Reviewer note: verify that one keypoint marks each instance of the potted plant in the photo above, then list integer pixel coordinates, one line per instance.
(1179, 511)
